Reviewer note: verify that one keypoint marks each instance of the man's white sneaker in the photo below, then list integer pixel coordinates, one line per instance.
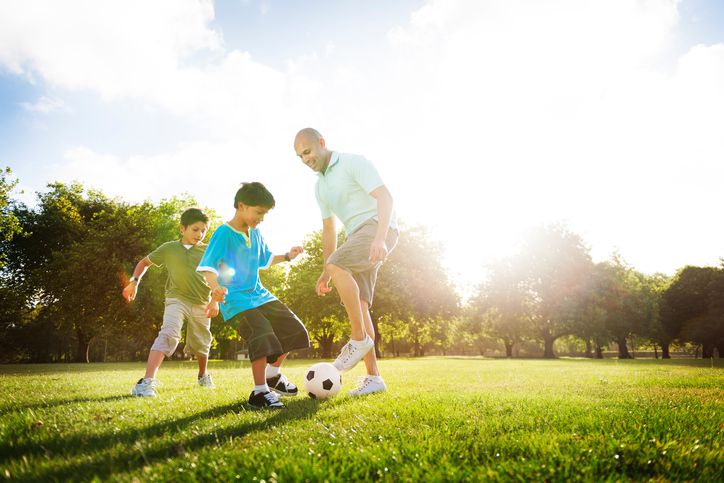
(368, 385)
(145, 388)
(205, 381)
(352, 353)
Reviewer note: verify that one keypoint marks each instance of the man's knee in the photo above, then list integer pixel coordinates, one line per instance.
(334, 270)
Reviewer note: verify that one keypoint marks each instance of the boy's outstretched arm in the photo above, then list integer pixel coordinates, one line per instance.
(129, 292)
(289, 256)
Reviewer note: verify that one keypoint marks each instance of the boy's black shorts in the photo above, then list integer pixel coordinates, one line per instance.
(270, 330)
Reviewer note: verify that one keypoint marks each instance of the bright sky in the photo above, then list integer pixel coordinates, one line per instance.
(484, 117)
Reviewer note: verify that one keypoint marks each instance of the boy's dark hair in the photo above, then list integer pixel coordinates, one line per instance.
(254, 194)
(192, 215)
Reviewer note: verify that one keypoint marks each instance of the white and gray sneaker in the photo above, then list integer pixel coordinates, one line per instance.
(205, 381)
(145, 388)
(352, 353)
(368, 385)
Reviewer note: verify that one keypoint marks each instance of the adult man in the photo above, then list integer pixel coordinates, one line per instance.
(349, 187)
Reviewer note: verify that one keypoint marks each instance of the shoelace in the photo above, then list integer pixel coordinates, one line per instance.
(271, 397)
(363, 382)
(348, 350)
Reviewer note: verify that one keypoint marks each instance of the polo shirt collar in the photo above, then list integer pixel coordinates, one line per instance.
(334, 159)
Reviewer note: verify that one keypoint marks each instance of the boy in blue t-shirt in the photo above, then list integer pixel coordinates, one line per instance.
(231, 266)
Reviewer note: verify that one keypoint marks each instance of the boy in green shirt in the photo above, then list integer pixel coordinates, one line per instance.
(187, 298)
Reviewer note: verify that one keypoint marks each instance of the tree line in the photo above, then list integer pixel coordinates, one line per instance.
(64, 261)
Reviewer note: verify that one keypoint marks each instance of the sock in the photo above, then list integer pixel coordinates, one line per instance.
(358, 343)
(272, 371)
(374, 378)
(261, 388)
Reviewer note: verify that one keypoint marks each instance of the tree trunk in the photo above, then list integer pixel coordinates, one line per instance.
(508, 348)
(81, 354)
(589, 349)
(378, 337)
(548, 341)
(707, 350)
(599, 352)
(392, 342)
(622, 348)
(665, 350)
(325, 346)
(656, 351)
(720, 348)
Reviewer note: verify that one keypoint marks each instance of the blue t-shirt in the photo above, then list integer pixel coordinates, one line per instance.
(236, 259)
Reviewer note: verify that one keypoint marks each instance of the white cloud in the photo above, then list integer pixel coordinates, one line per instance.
(119, 49)
(540, 111)
(483, 117)
(44, 105)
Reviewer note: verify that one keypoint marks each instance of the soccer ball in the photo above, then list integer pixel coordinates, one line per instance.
(322, 381)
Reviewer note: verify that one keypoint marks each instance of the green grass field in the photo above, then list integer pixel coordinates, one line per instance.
(444, 419)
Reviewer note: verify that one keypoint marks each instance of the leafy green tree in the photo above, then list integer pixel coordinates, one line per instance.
(684, 302)
(504, 305)
(590, 323)
(324, 317)
(414, 288)
(9, 223)
(654, 287)
(554, 265)
(73, 262)
(625, 300)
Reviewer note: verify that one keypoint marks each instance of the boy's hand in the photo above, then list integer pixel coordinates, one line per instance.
(212, 309)
(129, 293)
(218, 294)
(323, 287)
(295, 252)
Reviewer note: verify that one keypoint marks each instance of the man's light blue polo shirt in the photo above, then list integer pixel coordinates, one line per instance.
(344, 190)
(236, 258)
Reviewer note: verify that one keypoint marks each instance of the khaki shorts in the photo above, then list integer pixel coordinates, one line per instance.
(198, 333)
(354, 256)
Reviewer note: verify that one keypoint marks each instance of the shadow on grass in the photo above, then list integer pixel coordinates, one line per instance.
(69, 368)
(105, 462)
(51, 403)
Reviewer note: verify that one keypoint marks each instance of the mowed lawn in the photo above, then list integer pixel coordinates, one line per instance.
(443, 419)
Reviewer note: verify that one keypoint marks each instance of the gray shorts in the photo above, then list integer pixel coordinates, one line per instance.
(198, 333)
(354, 256)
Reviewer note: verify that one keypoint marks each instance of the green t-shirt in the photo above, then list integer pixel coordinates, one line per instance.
(183, 281)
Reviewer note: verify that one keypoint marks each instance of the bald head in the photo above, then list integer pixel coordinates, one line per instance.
(309, 134)
(312, 149)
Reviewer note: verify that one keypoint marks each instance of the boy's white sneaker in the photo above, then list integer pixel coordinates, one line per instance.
(352, 353)
(368, 385)
(145, 388)
(205, 381)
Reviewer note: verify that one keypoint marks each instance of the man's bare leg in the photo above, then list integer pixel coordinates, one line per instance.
(349, 293)
(371, 358)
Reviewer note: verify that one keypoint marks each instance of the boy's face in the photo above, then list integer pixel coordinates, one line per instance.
(194, 233)
(252, 215)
